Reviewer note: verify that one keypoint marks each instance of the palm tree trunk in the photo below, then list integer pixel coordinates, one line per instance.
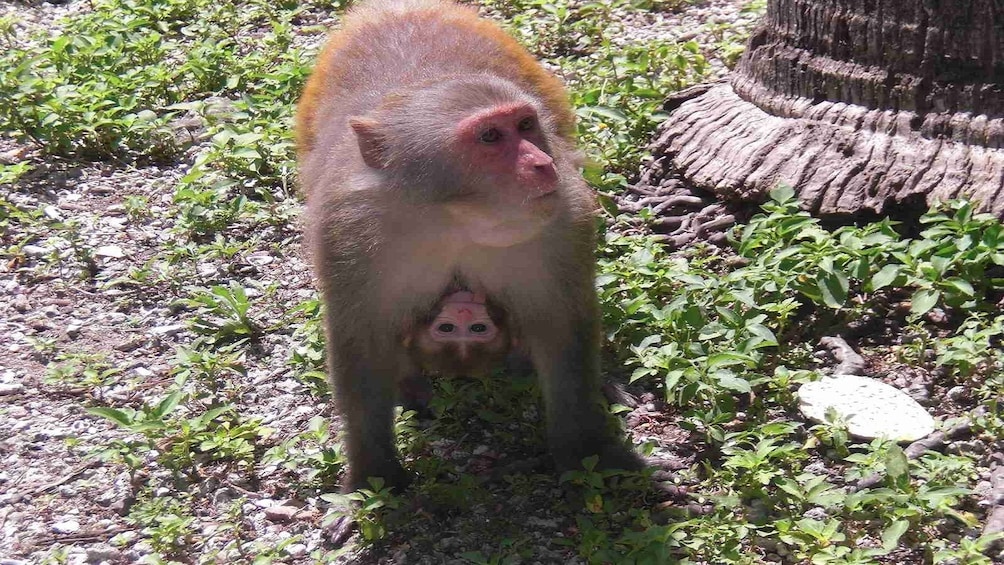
(864, 106)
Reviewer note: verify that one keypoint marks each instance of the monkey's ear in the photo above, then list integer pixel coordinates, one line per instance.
(372, 144)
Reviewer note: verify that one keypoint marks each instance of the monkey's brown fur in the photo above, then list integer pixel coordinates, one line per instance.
(483, 45)
(398, 212)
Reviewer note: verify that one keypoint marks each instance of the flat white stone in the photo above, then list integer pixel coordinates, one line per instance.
(113, 251)
(869, 407)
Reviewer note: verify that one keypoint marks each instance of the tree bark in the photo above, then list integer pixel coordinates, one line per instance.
(863, 106)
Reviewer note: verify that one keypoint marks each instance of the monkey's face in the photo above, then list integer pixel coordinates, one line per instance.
(461, 339)
(477, 146)
(463, 319)
(506, 143)
(512, 184)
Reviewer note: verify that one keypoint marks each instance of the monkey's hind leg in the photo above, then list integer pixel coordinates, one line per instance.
(416, 393)
(577, 424)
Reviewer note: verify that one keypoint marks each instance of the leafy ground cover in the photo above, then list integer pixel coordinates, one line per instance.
(162, 386)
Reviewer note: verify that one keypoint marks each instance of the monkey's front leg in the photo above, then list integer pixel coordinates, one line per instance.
(365, 381)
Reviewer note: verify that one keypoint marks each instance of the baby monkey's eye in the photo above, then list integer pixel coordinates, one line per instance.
(527, 124)
(447, 328)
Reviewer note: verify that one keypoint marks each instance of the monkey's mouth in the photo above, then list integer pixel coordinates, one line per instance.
(543, 194)
(541, 202)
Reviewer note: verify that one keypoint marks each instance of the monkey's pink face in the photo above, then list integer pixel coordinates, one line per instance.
(515, 185)
(463, 318)
(507, 145)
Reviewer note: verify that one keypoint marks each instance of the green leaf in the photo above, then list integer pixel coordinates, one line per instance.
(123, 418)
(783, 193)
(891, 535)
(833, 288)
(730, 381)
(641, 373)
(604, 112)
(962, 286)
(763, 332)
(167, 404)
(729, 359)
(896, 464)
(672, 380)
(248, 153)
(885, 276)
(608, 205)
(923, 300)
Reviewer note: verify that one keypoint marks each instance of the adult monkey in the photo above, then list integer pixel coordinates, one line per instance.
(437, 157)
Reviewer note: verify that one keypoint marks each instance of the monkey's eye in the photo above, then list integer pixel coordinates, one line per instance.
(478, 328)
(446, 328)
(490, 135)
(527, 123)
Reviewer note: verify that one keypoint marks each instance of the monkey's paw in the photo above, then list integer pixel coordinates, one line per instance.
(390, 476)
(612, 455)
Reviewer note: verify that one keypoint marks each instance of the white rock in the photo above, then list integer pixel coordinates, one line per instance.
(66, 526)
(869, 407)
(296, 550)
(36, 250)
(260, 258)
(103, 552)
(109, 251)
(168, 330)
(52, 213)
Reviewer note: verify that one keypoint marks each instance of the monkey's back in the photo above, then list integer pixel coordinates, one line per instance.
(386, 45)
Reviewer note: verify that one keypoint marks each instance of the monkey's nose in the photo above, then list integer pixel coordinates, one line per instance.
(546, 178)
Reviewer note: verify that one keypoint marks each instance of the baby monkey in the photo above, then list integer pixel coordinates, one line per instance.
(464, 336)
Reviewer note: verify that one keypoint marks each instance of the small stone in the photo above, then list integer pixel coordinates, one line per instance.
(50, 433)
(21, 303)
(265, 503)
(260, 258)
(206, 270)
(816, 513)
(10, 498)
(103, 552)
(52, 213)
(168, 330)
(66, 526)
(937, 316)
(73, 331)
(296, 550)
(958, 393)
(7, 389)
(35, 250)
(130, 345)
(13, 156)
(281, 514)
(113, 251)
